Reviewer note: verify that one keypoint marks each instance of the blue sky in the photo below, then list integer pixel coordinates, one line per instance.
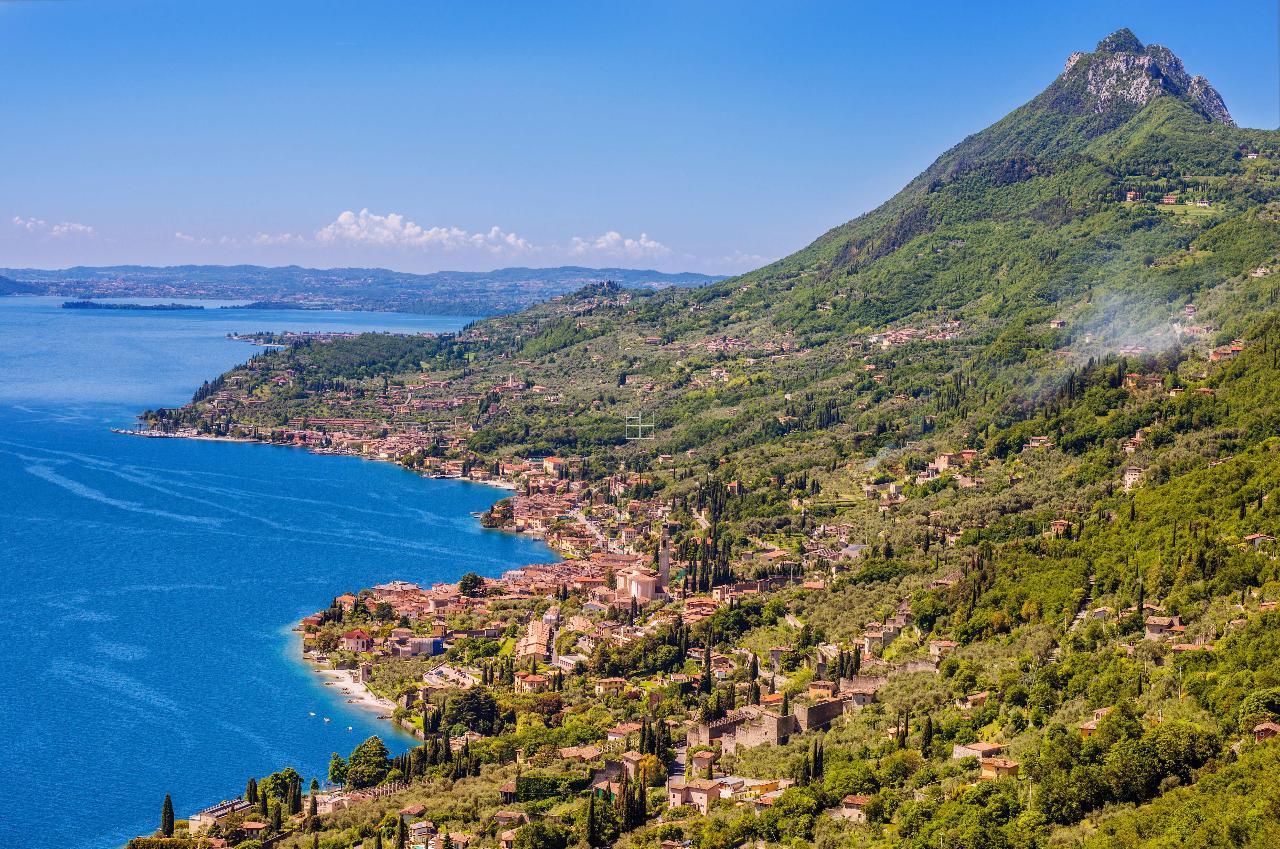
(708, 136)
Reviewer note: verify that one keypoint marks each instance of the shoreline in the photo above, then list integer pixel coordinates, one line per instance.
(207, 437)
(340, 684)
(360, 694)
(352, 692)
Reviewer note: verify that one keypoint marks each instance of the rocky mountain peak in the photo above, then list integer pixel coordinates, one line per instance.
(1122, 72)
(1121, 41)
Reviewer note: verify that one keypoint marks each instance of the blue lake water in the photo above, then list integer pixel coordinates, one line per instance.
(147, 586)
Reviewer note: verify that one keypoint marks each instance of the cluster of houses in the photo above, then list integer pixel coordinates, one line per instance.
(991, 761)
(1169, 199)
(958, 466)
(734, 344)
(951, 463)
(877, 635)
(700, 793)
(1226, 352)
(942, 332)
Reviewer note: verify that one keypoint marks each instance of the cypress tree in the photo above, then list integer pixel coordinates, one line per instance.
(590, 828)
(623, 802)
(641, 804)
(166, 817)
(251, 791)
(706, 667)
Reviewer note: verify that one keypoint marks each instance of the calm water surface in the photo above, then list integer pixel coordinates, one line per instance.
(147, 586)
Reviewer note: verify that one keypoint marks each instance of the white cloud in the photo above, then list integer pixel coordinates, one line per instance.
(394, 230)
(614, 243)
(739, 262)
(72, 228)
(278, 239)
(372, 231)
(63, 229)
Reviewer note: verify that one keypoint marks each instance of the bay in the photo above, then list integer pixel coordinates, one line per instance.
(148, 586)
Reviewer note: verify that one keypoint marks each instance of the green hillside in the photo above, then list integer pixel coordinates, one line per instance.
(1082, 298)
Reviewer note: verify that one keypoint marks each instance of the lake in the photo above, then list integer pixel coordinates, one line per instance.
(148, 586)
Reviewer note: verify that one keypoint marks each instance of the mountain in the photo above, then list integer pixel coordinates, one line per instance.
(1122, 118)
(1018, 427)
(1122, 71)
(443, 292)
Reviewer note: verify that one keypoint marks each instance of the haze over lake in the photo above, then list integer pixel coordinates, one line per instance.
(148, 585)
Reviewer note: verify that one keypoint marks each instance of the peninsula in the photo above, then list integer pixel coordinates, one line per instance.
(108, 305)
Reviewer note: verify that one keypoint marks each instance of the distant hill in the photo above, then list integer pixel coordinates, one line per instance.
(13, 287)
(452, 292)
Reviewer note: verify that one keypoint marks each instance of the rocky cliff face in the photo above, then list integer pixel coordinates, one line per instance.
(1123, 72)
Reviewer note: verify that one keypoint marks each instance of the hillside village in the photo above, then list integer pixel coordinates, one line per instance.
(619, 631)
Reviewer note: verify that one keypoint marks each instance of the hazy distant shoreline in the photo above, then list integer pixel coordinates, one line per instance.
(471, 293)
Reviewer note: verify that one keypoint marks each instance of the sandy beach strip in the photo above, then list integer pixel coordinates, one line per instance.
(355, 692)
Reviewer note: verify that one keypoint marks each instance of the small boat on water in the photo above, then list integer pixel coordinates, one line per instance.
(326, 719)
(349, 728)
(313, 713)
